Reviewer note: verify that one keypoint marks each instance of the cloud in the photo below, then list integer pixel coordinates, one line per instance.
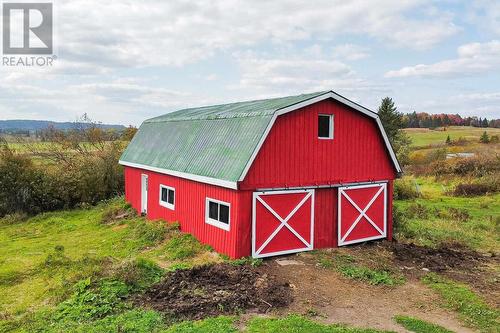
(350, 52)
(474, 58)
(269, 76)
(119, 33)
(485, 14)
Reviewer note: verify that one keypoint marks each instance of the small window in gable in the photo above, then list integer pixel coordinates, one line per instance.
(167, 197)
(217, 213)
(325, 126)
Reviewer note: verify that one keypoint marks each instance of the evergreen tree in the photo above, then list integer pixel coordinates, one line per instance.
(485, 138)
(448, 140)
(390, 117)
(392, 122)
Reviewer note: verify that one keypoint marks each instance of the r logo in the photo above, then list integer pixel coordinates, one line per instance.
(27, 28)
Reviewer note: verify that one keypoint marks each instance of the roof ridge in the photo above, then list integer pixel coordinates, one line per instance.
(228, 110)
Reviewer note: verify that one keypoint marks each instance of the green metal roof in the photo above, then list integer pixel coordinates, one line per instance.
(212, 141)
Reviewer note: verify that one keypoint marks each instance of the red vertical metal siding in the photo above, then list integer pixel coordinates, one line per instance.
(325, 218)
(190, 198)
(293, 156)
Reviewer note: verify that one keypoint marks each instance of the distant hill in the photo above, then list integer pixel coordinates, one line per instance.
(34, 125)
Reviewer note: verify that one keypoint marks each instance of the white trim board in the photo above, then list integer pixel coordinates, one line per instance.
(201, 179)
(314, 100)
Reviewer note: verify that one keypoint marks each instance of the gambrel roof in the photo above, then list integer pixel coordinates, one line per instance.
(217, 144)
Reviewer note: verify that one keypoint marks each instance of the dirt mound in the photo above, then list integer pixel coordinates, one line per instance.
(218, 289)
(437, 260)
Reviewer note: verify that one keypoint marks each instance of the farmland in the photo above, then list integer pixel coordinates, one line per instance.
(92, 268)
(423, 136)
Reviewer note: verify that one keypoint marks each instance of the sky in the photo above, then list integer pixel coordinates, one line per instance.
(123, 61)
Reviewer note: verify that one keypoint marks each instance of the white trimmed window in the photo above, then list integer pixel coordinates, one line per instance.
(167, 197)
(325, 126)
(217, 213)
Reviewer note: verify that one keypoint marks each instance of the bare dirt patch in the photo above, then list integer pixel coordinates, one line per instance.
(453, 261)
(217, 289)
(444, 258)
(328, 297)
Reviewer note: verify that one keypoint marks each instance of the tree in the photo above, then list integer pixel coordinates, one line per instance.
(448, 140)
(485, 138)
(128, 133)
(392, 122)
(390, 117)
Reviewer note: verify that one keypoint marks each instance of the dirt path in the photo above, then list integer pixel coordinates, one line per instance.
(339, 300)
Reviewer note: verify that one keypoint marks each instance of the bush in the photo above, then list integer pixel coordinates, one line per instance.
(416, 210)
(75, 168)
(404, 190)
(13, 218)
(470, 190)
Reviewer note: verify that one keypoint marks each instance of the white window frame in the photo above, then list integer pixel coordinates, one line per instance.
(331, 126)
(165, 203)
(213, 222)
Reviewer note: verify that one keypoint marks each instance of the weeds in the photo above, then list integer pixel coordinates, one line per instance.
(458, 297)
(90, 302)
(182, 246)
(347, 266)
(139, 273)
(149, 233)
(372, 276)
(405, 190)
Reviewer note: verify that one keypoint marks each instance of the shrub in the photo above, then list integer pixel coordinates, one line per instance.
(404, 190)
(417, 210)
(461, 215)
(470, 190)
(14, 218)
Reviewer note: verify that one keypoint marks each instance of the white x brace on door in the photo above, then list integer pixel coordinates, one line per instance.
(282, 222)
(362, 213)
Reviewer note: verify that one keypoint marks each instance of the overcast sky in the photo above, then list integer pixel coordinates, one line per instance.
(126, 61)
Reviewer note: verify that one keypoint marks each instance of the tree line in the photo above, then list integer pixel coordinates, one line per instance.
(425, 120)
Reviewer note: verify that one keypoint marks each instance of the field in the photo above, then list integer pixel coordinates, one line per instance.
(423, 136)
(104, 269)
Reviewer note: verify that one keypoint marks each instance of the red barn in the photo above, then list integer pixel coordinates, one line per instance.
(266, 177)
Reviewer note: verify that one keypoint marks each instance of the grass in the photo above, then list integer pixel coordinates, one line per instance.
(419, 326)
(42, 257)
(437, 218)
(222, 324)
(347, 266)
(299, 324)
(471, 308)
(423, 137)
